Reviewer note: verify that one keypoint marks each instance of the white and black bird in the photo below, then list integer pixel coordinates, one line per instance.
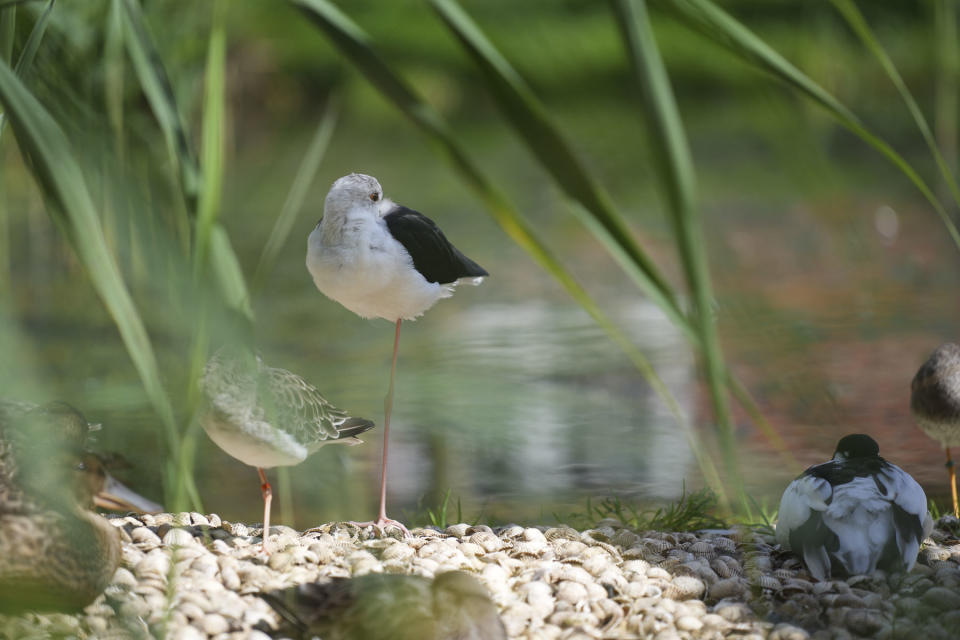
(854, 514)
(268, 417)
(935, 404)
(381, 260)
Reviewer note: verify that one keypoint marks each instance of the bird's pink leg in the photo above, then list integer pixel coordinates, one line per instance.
(953, 483)
(382, 521)
(267, 491)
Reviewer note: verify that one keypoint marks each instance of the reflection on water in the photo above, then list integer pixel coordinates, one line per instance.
(535, 404)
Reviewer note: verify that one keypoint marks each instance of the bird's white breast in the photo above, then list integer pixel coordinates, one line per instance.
(946, 432)
(360, 265)
(255, 442)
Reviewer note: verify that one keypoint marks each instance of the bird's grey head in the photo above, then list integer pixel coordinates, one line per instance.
(354, 190)
(856, 445)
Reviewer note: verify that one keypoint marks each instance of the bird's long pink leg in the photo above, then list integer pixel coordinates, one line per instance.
(382, 520)
(267, 491)
(953, 483)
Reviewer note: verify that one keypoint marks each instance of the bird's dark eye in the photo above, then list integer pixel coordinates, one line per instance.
(374, 196)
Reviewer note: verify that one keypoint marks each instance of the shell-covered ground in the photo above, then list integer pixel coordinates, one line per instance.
(191, 576)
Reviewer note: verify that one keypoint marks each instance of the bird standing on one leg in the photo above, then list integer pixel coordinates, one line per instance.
(268, 417)
(382, 260)
(854, 513)
(935, 404)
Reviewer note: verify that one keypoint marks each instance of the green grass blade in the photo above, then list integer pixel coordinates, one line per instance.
(113, 69)
(675, 165)
(297, 194)
(722, 28)
(848, 9)
(71, 206)
(156, 86)
(228, 273)
(532, 123)
(33, 42)
(29, 52)
(357, 46)
(946, 100)
(214, 125)
(8, 31)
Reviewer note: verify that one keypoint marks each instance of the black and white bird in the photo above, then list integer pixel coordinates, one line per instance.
(382, 260)
(268, 417)
(935, 404)
(854, 514)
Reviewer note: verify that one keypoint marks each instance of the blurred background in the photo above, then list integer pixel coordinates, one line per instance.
(833, 278)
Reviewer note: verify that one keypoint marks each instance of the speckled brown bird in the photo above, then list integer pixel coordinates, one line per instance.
(268, 417)
(935, 404)
(376, 606)
(54, 552)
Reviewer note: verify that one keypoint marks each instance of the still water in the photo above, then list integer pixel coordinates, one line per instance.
(512, 400)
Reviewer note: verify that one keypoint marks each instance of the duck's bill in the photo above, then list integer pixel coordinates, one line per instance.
(118, 497)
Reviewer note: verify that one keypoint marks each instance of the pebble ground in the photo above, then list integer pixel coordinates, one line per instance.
(190, 576)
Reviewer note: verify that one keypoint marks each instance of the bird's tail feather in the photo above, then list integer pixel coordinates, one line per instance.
(352, 427)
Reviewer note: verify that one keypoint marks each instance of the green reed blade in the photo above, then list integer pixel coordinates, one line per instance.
(848, 9)
(719, 26)
(70, 205)
(547, 143)
(29, 52)
(8, 32)
(214, 124)
(946, 99)
(33, 42)
(113, 69)
(156, 86)
(678, 180)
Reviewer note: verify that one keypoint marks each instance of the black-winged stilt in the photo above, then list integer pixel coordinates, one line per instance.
(854, 513)
(381, 260)
(267, 417)
(935, 404)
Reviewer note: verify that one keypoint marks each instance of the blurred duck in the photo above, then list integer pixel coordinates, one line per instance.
(854, 514)
(55, 553)
(935, 404)
(267, 417)
(376, 606)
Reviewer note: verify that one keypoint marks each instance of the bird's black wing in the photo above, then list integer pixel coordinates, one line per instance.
(433, 256)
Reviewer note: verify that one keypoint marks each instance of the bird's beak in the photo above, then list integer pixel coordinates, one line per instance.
(118, 497)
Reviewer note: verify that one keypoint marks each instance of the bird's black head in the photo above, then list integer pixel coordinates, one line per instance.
(857, 445)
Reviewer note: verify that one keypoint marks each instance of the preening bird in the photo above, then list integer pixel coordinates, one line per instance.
(268, 417)
(377, 606)
(382, 260)
(935, 404)
(854, 514)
